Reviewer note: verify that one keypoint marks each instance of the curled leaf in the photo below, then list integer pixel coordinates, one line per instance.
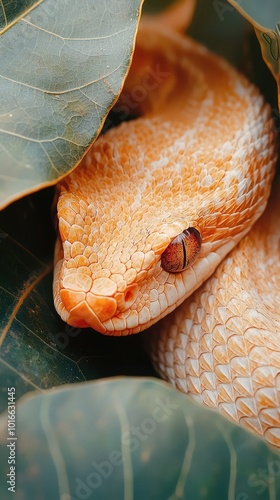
(265, 17)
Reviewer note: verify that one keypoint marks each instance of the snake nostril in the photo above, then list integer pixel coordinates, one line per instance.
(128, 296)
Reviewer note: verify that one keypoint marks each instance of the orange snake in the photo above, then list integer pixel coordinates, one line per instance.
(200, 158)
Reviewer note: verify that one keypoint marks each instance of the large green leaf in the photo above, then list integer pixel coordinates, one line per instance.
(11, 12)
(131, 439)
(61, 69)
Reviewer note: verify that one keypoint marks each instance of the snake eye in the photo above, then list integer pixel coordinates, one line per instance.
(182, 251)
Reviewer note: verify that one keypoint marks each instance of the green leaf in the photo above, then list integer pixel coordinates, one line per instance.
(265, 17)
(11, 12)
(132, 439)
(61, 69)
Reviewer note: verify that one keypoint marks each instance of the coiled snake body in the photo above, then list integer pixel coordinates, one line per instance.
(198, 162)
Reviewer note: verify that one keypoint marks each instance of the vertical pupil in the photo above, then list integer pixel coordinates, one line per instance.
(184, 253)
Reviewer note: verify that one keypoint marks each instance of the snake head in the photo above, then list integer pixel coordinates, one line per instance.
(127, 291)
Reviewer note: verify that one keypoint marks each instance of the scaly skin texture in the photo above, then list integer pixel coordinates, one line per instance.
(201, 154)
(222, 344)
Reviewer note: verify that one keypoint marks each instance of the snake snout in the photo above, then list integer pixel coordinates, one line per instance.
(98, 303)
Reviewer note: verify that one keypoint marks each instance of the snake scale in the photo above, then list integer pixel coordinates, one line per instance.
(158, 205)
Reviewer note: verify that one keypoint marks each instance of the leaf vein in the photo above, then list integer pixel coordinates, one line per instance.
(4, 12)
(21, 299)
(21, 375)
(74, 39)
(41, 141)
(62, 92)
